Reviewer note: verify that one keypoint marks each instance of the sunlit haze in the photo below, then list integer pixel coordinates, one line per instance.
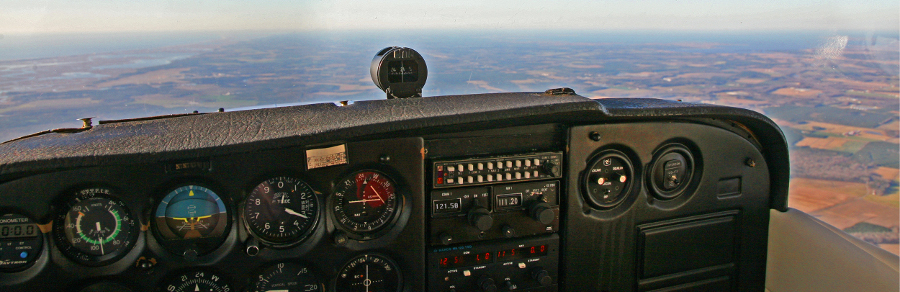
(40, 16)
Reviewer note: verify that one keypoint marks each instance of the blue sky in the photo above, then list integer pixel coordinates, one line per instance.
(41, 16)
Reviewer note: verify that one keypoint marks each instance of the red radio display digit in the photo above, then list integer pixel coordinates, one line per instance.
(522, 252)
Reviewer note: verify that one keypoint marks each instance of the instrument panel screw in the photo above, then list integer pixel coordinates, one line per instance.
(750, 162)
(340, 238)
(145, 263)
(594, 136)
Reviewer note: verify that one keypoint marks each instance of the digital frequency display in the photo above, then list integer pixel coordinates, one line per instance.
(446, 206)
(509, 201)
(474, 259)
(18, 230)
(471, 259)
(522, 252)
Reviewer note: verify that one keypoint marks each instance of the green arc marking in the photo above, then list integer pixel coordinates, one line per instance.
(108, 238)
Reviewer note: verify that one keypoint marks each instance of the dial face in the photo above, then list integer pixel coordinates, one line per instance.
(287, 277)
(96, 228)
(608, 178)
(105, 287)
(20, 242)
(281, 210)
(369, 273)
(365, 201)
(203, 281)
(192, 215)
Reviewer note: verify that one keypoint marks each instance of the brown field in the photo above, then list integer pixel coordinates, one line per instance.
(810, 195)
(751, 80)
(829, 143)
(158, 76)
(770, 72)
(894, 125)
(853, 211)
(888, 173)
(841, 129)
(797, 92)
(842, 204)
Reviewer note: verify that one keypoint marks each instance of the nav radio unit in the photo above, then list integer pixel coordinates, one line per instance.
(493, 222)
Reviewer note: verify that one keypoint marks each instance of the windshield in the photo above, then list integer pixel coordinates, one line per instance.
(825, 71)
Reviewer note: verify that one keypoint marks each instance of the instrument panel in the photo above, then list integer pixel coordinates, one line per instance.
(554, 207)
(187, 225)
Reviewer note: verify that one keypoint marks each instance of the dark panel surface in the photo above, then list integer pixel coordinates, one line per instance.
(602, 245)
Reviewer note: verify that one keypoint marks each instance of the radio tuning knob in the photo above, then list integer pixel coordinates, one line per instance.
(487, 284)
(551, 168)
(542, 212)
(541, 275)
(509, 286)
(481, 218)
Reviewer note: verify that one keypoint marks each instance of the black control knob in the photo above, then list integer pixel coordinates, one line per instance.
(551, 168)
(481, 218)
(487, 284)
(509, 286)
(542, 276)
(542, 212)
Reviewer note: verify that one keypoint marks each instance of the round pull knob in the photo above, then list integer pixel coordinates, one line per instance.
(542, 276)
(542, 212)
(551, 168)
(487, 284)
(481, 218)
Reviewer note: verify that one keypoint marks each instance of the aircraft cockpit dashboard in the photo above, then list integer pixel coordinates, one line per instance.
(541, 191)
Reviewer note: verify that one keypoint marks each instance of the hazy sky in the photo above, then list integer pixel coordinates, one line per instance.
(35, 16)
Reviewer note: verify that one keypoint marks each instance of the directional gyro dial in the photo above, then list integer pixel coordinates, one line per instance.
(369, 273)
(281, 210)
(365, 201)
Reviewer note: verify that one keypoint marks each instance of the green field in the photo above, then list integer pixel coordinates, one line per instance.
(880, 153)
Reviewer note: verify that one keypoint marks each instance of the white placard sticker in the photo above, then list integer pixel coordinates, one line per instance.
(322, 157)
